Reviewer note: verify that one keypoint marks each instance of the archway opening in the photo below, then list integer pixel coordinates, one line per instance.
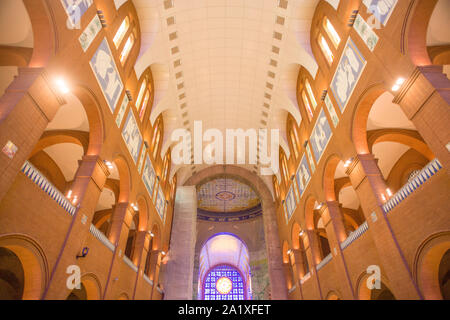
(12, 275)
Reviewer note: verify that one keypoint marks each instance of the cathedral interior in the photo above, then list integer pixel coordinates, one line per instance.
(224, 150)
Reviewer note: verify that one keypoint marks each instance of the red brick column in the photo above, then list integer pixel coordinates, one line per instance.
(313, 255)
(425, 99)
(369, 185)
(26, 108)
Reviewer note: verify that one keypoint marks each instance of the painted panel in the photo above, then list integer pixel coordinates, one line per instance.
(141, 158)
(90, 33)
(320, 136)
(122, 109)
(366, 33)
(290, 203)
(381, 9)
(105, 70)
(149, 176)
(331, 110)
(303, 176)
(76, 11)
(132, 136)
(347, 75)
(160, 203)
(310, 158)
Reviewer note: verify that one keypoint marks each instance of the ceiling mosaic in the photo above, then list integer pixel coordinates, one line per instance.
(226, 195)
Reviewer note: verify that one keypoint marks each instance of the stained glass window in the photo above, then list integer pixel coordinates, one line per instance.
(223, 283)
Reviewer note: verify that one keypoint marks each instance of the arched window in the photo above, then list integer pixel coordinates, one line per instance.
(307, 105)
(331, 32)
(166, 168)
(121, 32)
(326, 49)
(141, 94)
(285, 169)
(156, 140)
(310, 94)
(127, 48)
(294, 144)
(224, 283)
(144, 105)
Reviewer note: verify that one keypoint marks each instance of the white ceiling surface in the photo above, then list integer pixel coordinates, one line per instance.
(70, 116)
(66, 156)
(224, 249)
(439, 24)
(386, 114)
(225, 48)
(15, 24)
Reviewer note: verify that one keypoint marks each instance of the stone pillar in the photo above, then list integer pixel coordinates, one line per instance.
(298, 268)
(334, 225)
(278, 289)
(369, 185)
(26, 108)
(180, 266)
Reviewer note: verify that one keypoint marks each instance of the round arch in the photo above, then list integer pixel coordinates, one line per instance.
(274, 253)
(33, 261)
(426, 264)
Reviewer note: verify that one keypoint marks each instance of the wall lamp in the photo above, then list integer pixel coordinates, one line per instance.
(151, 234)
(398, 84)
(348, 162)
(62, 86)
(109, 164)
(135, 207)
(84, 253)
(301, 233)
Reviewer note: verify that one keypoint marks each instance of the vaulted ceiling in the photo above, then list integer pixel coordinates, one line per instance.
(229, 63)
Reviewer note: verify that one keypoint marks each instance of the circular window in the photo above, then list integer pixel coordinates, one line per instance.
(224, 285)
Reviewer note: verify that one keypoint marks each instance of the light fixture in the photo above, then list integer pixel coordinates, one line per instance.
(301, 233)
(69, 194)
(135, 207)
(319, 206)
(62, 85)
(163, 253)
(151, 234)
(75, 200)
(389, 192)
(383, 197)
(108, 164)
(398, 84)
(348, 163)
(289, 251)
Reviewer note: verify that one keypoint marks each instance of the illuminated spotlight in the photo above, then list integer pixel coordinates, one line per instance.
(69, 194)
(383, 197)
(301, 233)
(75, 200)
(319, 206)
(398, 84)
(62, 85)
(151, 234)
(135, 207)
(163, 253)
(389, 192)
(348, 163)
(289, 251)
(109, 164)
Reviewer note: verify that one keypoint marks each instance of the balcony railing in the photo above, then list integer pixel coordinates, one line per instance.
(130, 263)
(42, 182)
(430, 170)
(305, 278)
(355, 235)
(101, 237)
(324, 262)
(150, 282)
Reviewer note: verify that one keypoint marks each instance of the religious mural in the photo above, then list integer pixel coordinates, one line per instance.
(226, 195)
(366, 33)
(381, 9)
(75, 10)
(290, 203)
(132, 136)
(90, 33)
(320, 136)
(303, 175)
(105, 70)
(122, 109)
(160, 203)
(347, 75)
(149, 176)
